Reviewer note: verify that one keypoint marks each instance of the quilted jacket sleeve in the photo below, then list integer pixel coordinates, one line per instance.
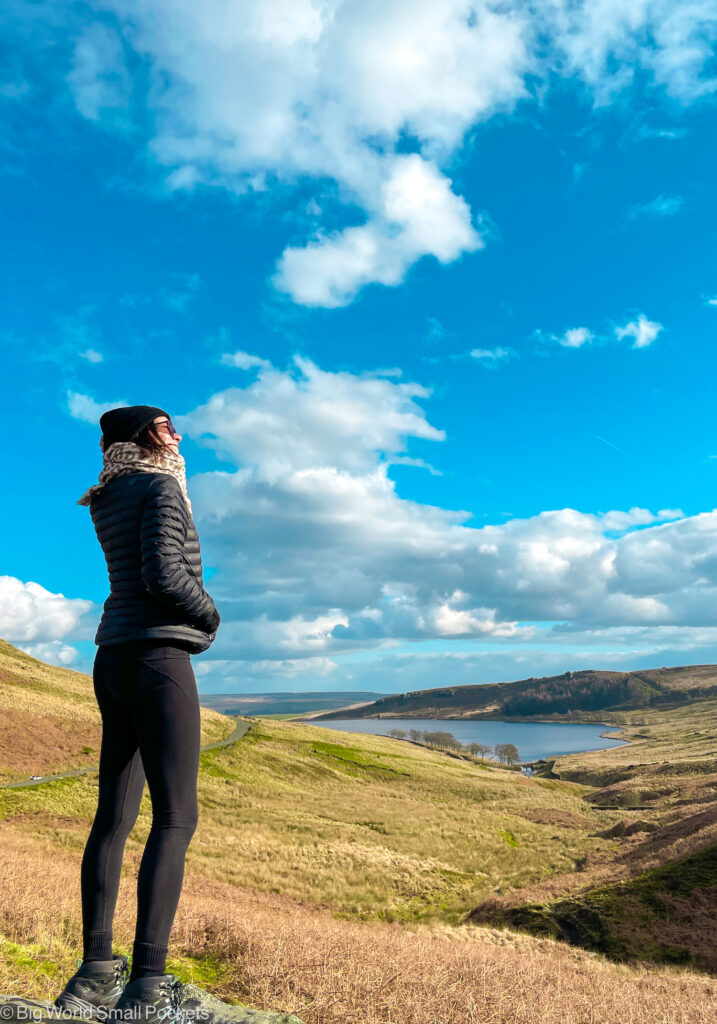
(165, 572)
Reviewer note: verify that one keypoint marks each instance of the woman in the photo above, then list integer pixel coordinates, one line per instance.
(157, 614)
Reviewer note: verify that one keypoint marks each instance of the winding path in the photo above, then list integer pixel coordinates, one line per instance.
(241, 730)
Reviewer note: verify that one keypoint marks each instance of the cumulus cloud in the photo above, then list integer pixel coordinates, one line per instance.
(85, 408)
(317, 555)
(29, 612)
(243, 360)
(417, 215)
(318, 559)
(309, 420)
(643, 331)
(375, 98)
(575, 337)
(54, 653)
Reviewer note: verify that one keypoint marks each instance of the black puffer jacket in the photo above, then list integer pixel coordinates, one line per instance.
(154, 563)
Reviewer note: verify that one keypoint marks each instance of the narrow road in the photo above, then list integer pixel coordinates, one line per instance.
(241, 730)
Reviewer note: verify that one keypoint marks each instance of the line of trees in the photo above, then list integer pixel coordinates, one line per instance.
(506, 753)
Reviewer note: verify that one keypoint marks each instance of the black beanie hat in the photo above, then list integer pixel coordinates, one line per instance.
(125, 423)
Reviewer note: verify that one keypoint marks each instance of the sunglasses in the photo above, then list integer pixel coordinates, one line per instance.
(166, 424)
(170, 427)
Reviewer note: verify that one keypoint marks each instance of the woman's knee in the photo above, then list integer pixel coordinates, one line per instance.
(186, 819)
(112, 818)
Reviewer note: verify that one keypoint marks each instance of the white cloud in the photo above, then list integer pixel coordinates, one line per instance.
(263, 671)
(661, 206)
(54, 653)
(243, 360)
(29, 612)
(493, 357)
(644, 331)
(316, 552)
(609, 44)
(316, 555)
(85, 408)
(269, 92)
(417, 215)
(91, 355)
(637, 517)
(99, 80)
(310, 420)
(712, 301)
(575, 337)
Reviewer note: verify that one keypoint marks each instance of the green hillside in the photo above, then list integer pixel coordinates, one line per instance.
(329, 871)
(583, 696)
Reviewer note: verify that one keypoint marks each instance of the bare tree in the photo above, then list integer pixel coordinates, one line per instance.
(480, 750)
(511, 753)
(507, 753)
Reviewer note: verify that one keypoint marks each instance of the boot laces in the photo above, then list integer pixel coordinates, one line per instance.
(121, 970)
(175, 990)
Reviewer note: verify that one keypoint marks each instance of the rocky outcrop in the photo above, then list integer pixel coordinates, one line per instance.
(18, 1010)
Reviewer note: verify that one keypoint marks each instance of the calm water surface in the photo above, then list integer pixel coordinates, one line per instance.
(533, 739)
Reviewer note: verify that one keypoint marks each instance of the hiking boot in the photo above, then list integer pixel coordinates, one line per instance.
(166, 999)
(153, 999)
(95, 987)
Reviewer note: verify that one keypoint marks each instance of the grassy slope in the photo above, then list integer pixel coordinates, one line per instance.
(665, 914)
(369, 828)
(653, 895)
(49, 719)
(373, 827)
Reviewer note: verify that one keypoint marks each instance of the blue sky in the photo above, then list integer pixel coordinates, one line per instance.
(430, 290)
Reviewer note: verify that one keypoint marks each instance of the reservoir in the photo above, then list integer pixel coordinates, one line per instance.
(533, 739)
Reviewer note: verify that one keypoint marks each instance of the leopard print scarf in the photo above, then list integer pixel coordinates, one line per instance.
(124, 457)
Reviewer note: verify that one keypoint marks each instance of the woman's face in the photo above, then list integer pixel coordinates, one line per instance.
(163, 433)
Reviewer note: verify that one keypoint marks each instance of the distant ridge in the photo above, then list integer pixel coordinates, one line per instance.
(284, 703)
(572, 695)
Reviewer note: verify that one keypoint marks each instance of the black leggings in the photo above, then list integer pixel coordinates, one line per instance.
(148, 699)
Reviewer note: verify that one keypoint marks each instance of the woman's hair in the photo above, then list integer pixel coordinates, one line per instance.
(149, 441)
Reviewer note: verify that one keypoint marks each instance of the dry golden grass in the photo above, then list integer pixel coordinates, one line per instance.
(367, 825)
(372, 827)
(678, 734)
(49, 714)
(312, 846)
(275, 954)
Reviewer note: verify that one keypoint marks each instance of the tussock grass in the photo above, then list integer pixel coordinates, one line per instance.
(273, 953)
(373, 827)
(687, 735)
(329, 873)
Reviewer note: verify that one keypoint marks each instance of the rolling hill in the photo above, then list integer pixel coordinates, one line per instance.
(357, 878)
(583, 696)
